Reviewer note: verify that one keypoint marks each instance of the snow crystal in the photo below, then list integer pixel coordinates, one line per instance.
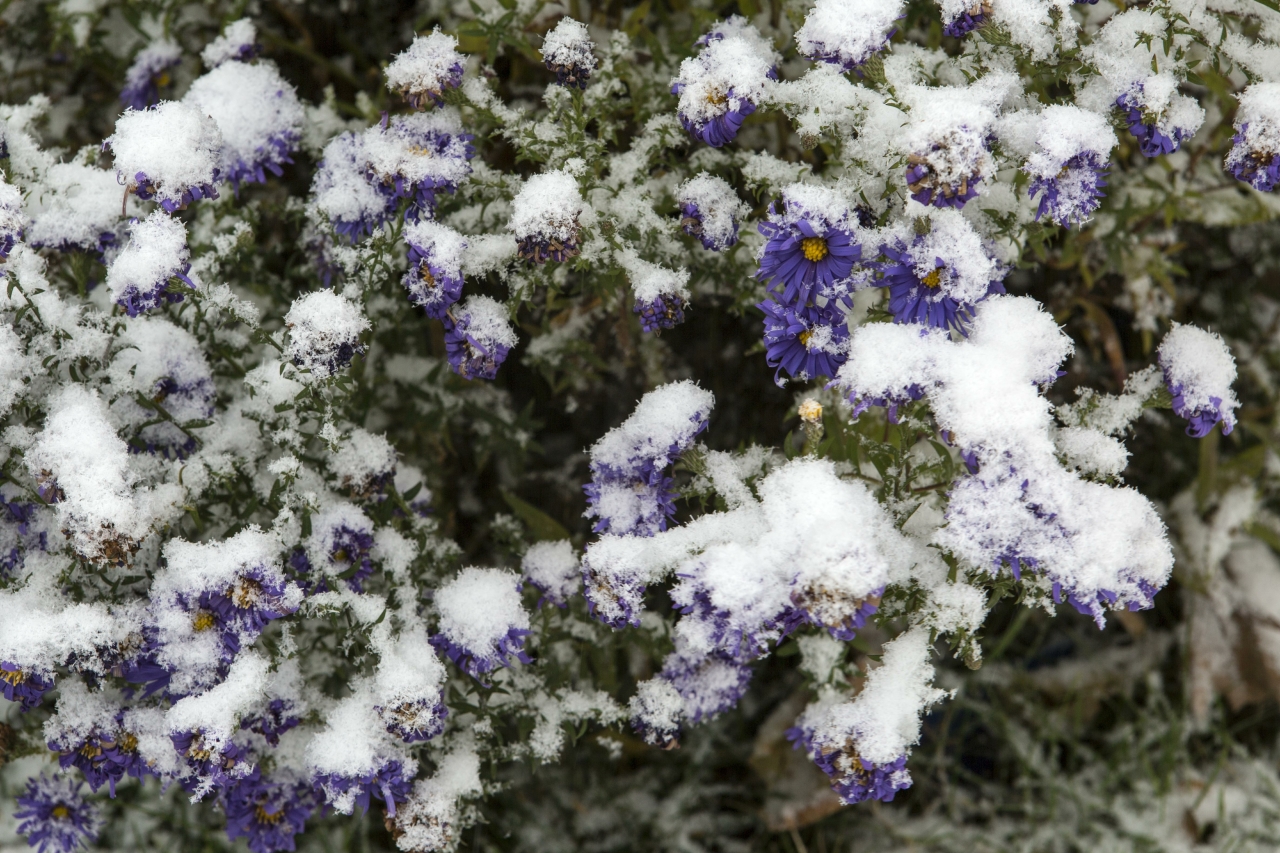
(426, 68)
(554, 569)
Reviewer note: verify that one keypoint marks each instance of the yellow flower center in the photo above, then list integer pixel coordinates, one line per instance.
(245, 593)
(61, 812)
(340, 555)
(163, 79)
(128, 743)
(264, 816)
(933, 279)
(15, 678)
(717, 99)
(814, 248)
(427, 278)
(804, 337)
(203, 622)
(90, 750)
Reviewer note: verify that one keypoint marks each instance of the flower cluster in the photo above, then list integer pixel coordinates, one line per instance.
(725, 82)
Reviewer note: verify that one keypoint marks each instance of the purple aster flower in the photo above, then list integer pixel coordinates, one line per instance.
(948, 173)
(55, 817)
(480, 640)
(349, 555)
(476, 663)
(418, 156)
(324, 332)
(708, 685)
(544, 218)
(853, 778)
(140, 665)
(279, 717)
(862, 402)
(139, 278)
(613, 601)
(426, 70)
(434, 279)
(1256, 167)
(478, 337)
(839, 613)
(387, 783)
(568, 52)
(721, 129)
(1199, 371)
(810, 248)
(925, 288)
(724, 83)
(211, 761)
(268, 814)
(416, 720)
(149, 73)
(104, 757)
(11, 219)
(240, 612)
(1254, 157)
(740, 636)
(237, 43)
(343, 192)
(665, 311)
(1145, 127)
(968, 20)
(1071, 196)
(631, 507)
(833, 35)
(1096, 604)
(710, 210)
(23, 684)
(552, 568)
(805, 342)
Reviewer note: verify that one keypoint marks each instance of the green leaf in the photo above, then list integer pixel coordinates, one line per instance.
(542, 526)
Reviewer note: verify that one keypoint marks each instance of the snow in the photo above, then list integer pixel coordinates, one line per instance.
(554, 568)
(488, 322)
(569, 44)
(1200, 364)
(727, 73)
(75, 206)
(547, 206)
(667, 416)
(446, 247)
(479, 607)
(255, 109)
(361, 458)
(235, 37)
(426, 66)
(157, 251)
(849, 31)
(320, 323)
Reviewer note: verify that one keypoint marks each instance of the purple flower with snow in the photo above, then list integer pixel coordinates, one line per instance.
(664, 311)
(278, 717)
(483, 622)
(54, 816)
(544, 218)
(434, 279)
(937, 278)
(341, 539)
(428, 68)
(237, 43)
(812, 244)
(832, 609)
(706, 686)
(23, 684)
(241, 611)
(969, 19)
(554, 570)
(258, 114)
(615, 601)
(1159, 124)
(161, 370)
(710, 210)
(1072, 195)
(212, 761)
(853, 778)
(948, 171)
(478, 337)
(149, 73)
(139, 277)
(414, 720)
(661, 294)
(387, 783)
(418, 156)
(169, 152)
(11, 218)
(805, 342)
(1199, 371)
(267, 813)
(324, 332)
(569, 52)
(1254, 157)
(104, 756)
(725, 82)
(630, 493)
(656, 712)
(847, 34)
(343, 192)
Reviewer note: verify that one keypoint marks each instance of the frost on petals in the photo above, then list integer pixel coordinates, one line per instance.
(1199, 371)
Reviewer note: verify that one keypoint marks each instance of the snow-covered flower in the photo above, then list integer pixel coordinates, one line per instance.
(410, 685)
(104, 754)
(340, 542)
(478, 337)
(554, 570)
(149, 73)
(482, 623)
(935, 279)
(1199, 371)
(1255, 149)
(55, 817)
(157, 253)
(569, 52)
(424, 71)
(968, 18)
(23, 684)
(1159, 125)
(434, 279)
(75, 207)
(164, 365)
(238, 42)
(948, 171)
(847, 34)
(258, 116)
(725, 82)
(364, 464)
(11, 218)
(661, 293)
(343, 193)
(324, 332)
(544, 218)
(169, 152)
(1068, 168)
(418, 156)
(711, 211)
